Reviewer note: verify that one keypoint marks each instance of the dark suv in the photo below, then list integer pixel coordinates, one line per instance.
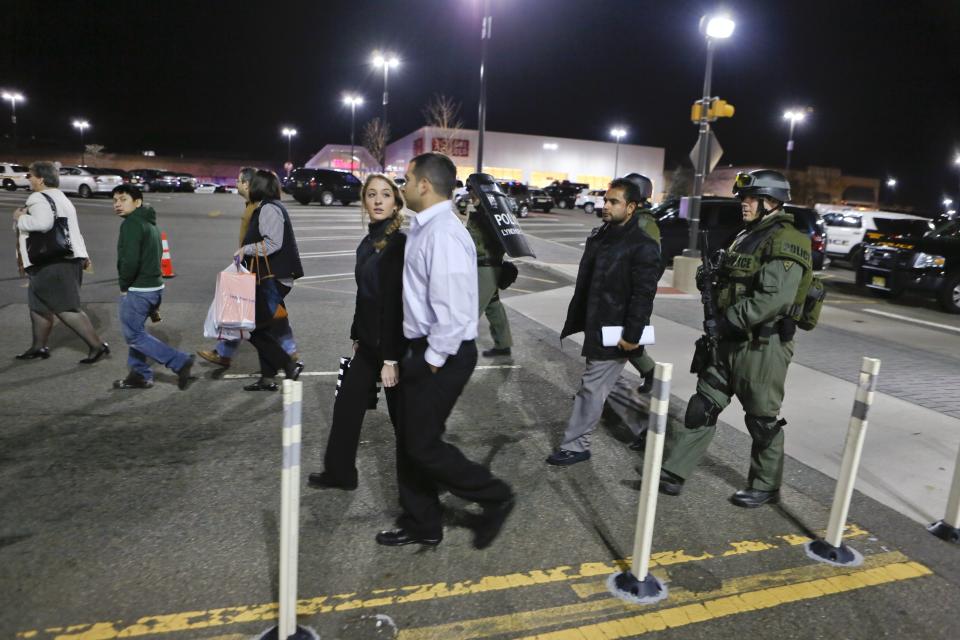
(722, 218)
(325, 186)
(907, 255)
(520, 194)
(564, 193)
(154, 179)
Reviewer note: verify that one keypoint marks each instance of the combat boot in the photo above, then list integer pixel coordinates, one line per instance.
(753, 498)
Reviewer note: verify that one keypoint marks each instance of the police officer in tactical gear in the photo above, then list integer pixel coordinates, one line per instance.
(760, 277)
(490, 254)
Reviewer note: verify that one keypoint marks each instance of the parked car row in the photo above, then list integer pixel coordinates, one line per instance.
(13, 176)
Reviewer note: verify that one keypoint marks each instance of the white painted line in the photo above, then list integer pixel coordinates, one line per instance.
(926, 323)
(302, 239)
(537, 279)
(319, 374)
(327, 228)
(326, 275)
(328, 254)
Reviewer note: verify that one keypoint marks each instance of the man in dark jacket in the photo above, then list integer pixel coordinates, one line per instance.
(616, 284)
(141, 285)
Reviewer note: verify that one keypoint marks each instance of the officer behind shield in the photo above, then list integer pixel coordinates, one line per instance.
(759, 281)
(490, 253)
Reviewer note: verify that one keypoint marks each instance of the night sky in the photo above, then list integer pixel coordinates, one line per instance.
(223, 77)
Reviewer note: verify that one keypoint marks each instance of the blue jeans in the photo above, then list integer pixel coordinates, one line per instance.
(134, 310)
(228, 348)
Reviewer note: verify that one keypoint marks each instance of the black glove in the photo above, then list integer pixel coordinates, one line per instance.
(729, 331)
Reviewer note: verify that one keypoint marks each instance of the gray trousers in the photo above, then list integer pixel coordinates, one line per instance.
(598, 381)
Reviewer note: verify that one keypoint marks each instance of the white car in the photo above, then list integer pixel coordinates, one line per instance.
(88, 181)
(589, 201)
(13, 176)
(209, 187)
(846, 227)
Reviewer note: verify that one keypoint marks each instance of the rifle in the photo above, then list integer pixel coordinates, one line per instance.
(708, 277)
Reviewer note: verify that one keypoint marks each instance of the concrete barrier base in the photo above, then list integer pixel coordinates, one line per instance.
(685, 274)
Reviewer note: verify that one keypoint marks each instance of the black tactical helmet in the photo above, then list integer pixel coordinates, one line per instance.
(762, 182)
(644, 184)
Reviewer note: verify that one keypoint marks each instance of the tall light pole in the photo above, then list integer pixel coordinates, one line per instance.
(13, 98)
(387, 61)
(617, 132)
(956, 163)
(289, 132)
(82, 125)
(353, 102)
(718, 27)
(793, 116)
(485, 31)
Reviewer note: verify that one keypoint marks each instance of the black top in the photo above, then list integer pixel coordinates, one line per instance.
(283, 263)
(378, 318)
(616, 284)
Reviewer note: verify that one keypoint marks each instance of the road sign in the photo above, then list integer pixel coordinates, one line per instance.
(714, 151)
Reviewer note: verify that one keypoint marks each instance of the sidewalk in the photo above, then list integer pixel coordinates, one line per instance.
(910, 451)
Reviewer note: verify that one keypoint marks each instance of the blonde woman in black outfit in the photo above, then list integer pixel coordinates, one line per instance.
(377, 331)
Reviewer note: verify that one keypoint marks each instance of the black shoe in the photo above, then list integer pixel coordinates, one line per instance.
(324, 480)
(492, 353)
(262, 385)
(753, 498)
(133, 381)
(400, 537)
(640, 444)
(30, 354)
(647, 385)
(296, 368)
(670, 484)
(563, 458)
(492, 522)
(101, 352)
(183, 375)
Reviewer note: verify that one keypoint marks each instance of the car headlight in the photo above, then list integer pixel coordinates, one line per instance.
(926, 260)
(868, 253)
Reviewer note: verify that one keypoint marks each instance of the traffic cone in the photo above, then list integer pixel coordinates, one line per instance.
(166, 264)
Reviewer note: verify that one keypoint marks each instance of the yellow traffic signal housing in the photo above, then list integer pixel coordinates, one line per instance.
(720, 109)
(695, 112)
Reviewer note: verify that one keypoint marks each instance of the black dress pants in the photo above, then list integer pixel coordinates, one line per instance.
(425, 463)
(340, 459)
(264, 339)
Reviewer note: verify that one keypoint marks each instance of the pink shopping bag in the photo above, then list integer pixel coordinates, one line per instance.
(235, 298)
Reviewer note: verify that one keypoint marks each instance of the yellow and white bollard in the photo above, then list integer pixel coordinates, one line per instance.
(639, 585)
(290, 518)
(831, 549)
(949, 528)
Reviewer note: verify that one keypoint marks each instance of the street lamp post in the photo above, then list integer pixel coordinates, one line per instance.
(82, 125)
(485, 31)
(719, 27)
(794, 116)
(353, 102)
(618, 133)
(387, 61)
(13, 97)
(956, 162)
(289, 132)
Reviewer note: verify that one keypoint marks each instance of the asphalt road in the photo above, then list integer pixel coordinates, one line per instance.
(154, 514)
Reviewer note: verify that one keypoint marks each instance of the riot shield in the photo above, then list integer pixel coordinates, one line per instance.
(497, 211)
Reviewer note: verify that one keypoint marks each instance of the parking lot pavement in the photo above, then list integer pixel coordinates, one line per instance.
(154, 514)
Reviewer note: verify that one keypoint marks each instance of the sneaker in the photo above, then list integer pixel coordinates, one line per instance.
(215, 358)
(133, 381)
(563, 457)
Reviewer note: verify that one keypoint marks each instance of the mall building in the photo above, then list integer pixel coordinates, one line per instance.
(535, 160)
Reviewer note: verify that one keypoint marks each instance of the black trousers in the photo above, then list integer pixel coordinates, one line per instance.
(425, 463)
(340, 459)
(269, 350)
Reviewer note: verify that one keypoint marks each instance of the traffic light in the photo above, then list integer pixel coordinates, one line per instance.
(695, 112)
(720, 109)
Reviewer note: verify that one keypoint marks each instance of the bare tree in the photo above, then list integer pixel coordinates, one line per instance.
(374, 137)
(681, 183)
(443, 112)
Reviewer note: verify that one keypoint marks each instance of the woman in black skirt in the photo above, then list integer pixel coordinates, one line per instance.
(377, 331)
(54, 290)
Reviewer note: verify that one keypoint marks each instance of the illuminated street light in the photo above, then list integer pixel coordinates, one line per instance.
(794, 116)
(353, 102)
(289, 132)
(13, 97)
(387, 61)
(82, 125)
(713, 28)
(947, 202)
(618, 133)
(891, 182)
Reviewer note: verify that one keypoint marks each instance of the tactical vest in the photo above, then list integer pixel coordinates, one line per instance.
(774, 238)
(648, 224)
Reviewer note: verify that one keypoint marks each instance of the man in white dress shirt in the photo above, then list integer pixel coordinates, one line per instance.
(440, 320)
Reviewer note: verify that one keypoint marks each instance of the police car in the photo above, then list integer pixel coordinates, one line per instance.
(590, 201)
(13, 176)
(846, 227)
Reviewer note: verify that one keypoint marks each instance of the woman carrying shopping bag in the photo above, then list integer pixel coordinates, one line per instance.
(377, 331)
(270, 251)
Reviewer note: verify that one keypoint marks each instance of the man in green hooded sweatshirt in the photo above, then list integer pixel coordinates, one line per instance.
(141, 287)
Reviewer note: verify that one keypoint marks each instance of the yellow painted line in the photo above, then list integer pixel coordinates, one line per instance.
(634, 625)
(203, 619)
(216, 213)
(757, 588)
